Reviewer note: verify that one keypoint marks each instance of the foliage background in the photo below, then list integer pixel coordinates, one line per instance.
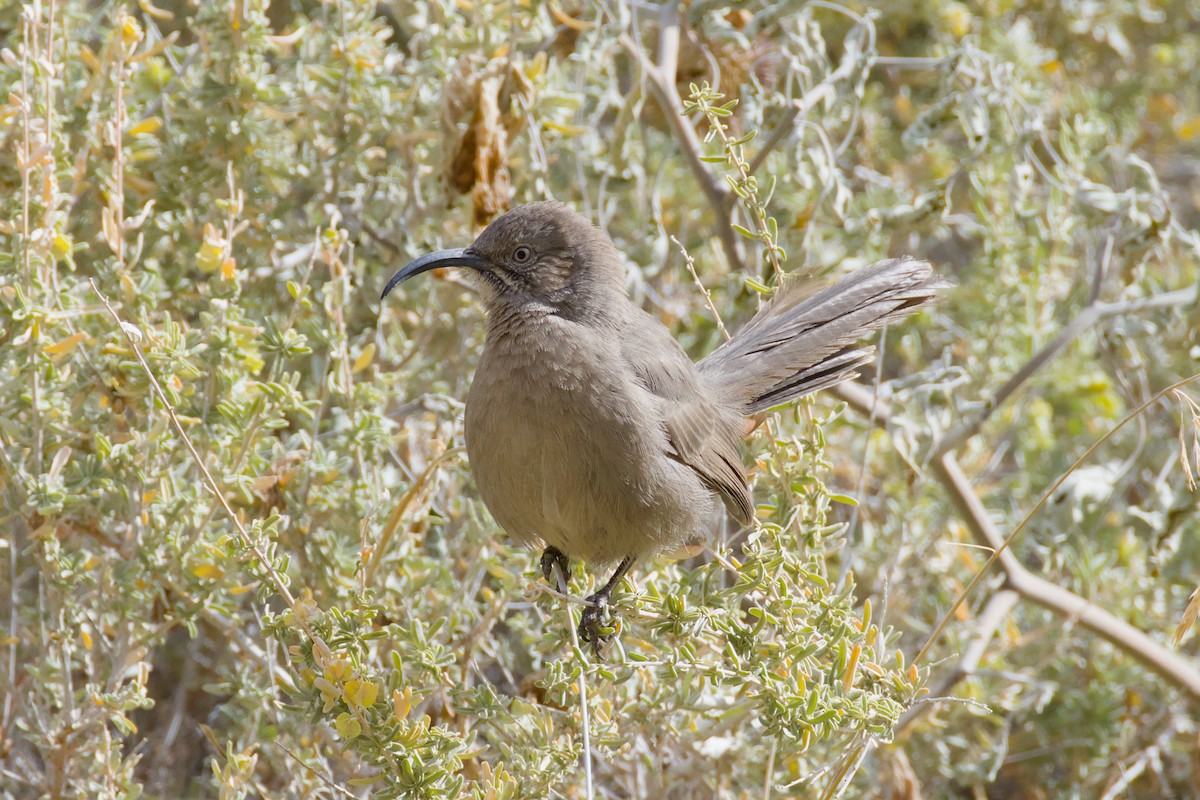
(238, 180)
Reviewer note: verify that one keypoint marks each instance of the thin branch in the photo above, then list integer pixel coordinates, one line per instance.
(585, 719)
(704, 101)
(1101, 270)
(989, 620)
(668, 41)
(852, 526)
(712, 308)
(663, 89)
(846, 770)
(1089, 316)
(1149, 757)
(1179, 297)
(132, 336)
(1154, 656)
(800, 108)
(380, 239)
(414, 496)
(957, 437)
(323, 777)
(770, 770)
(1049, 595)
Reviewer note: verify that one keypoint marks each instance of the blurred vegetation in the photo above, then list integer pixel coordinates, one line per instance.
(238, 180)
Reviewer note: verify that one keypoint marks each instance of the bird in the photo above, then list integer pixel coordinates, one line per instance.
(591, 433)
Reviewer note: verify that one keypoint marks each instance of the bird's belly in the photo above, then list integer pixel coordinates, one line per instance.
(567, 460)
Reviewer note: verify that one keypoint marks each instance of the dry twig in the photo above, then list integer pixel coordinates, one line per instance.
(1156, 657)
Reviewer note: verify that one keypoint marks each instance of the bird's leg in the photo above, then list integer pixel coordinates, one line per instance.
(597, 606)
(553, 557)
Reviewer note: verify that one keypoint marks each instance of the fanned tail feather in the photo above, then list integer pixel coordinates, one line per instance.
(796, 345)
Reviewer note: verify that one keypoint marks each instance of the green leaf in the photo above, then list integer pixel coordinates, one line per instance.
(745, 138)
(754, 285)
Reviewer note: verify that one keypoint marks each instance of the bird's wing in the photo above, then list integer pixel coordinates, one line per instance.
(712, 451)
(701, 434)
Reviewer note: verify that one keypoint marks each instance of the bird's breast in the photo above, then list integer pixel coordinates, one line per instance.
(565, 447)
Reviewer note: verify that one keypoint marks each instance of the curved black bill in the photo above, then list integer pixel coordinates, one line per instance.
(458, 257)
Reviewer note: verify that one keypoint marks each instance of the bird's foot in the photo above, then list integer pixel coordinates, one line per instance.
(595, 626)
(553, 557)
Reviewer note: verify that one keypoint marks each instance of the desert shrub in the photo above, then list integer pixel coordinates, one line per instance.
(201, 202)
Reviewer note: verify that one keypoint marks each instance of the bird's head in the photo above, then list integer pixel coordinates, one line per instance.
(538, 256)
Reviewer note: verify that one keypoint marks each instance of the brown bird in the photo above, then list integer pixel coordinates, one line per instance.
(589, 429)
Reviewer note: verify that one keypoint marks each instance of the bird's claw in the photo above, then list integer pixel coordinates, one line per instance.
(594, 624)
(553, 557)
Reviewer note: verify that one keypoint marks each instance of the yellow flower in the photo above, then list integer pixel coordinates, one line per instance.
(347, 726)
(361, 693)
(402, 703)
(338, 671)
(330, 692)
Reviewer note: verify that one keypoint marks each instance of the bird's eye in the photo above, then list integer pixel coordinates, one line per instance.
(523, 254)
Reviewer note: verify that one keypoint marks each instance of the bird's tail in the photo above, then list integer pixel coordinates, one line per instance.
(797, 344)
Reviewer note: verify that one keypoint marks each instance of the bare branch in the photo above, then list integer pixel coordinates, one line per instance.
(955, 438)
(131, 335)
(1089, 316)
(662, 86)
(800, 108)
(712, 308)
(986, 624)
(668, 41)
(1154, 656)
